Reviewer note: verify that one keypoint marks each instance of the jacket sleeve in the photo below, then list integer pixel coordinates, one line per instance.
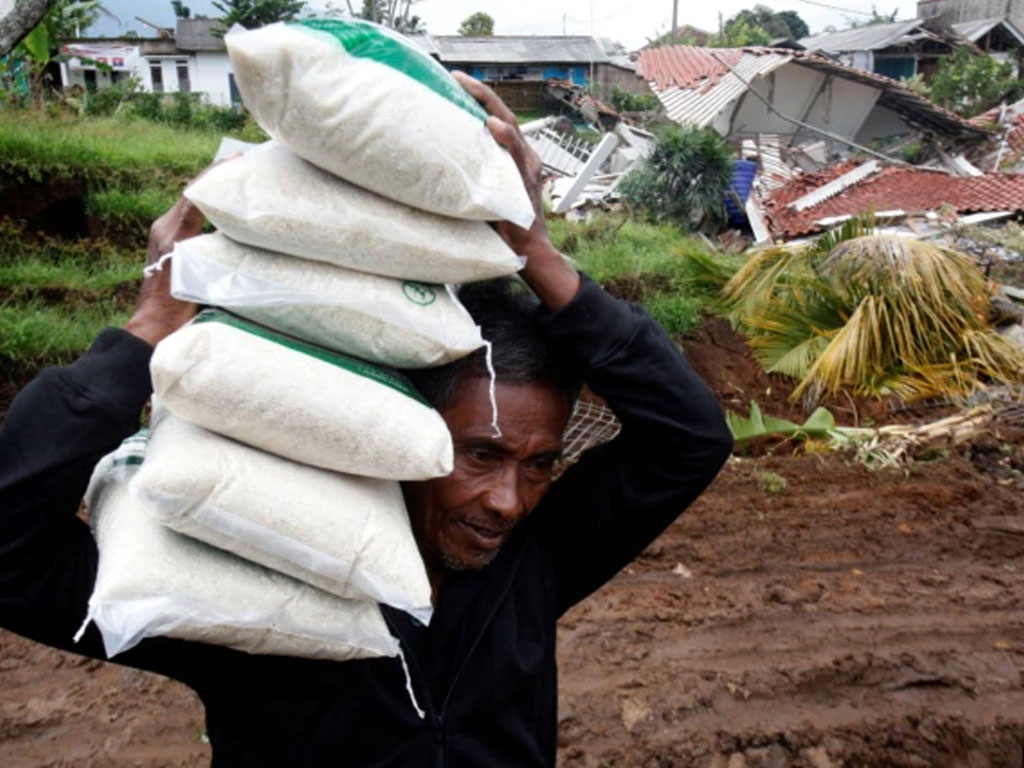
(622, 495)
(54, 433)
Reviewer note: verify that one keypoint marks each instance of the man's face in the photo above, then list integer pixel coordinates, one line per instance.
(460, 521)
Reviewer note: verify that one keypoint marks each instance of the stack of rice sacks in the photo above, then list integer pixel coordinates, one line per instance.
(266, 505)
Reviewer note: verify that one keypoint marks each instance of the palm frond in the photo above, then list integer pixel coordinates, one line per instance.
(759, 280)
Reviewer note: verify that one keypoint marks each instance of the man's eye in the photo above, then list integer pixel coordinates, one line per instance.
(480, 455)
(540, 467)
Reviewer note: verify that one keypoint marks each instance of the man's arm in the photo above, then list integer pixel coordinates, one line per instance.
(603, 512)
(607, 508)
(54, 433)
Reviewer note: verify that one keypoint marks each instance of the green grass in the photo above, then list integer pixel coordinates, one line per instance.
(677, 312)
(38, 334)
(145, 205)
(665, 265)
(92, 146)
(56, 295)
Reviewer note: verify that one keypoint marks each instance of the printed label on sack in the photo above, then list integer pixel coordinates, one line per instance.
(419, 293)
(381, 375)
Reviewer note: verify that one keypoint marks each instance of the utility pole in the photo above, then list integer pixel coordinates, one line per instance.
(592, 44)
(675, 17)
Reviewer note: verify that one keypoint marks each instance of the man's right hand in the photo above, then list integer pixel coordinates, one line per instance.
(158, 314)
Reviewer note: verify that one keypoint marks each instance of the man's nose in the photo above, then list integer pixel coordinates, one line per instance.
(502, 495)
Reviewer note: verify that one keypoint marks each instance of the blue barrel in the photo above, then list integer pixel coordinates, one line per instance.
(743, 173)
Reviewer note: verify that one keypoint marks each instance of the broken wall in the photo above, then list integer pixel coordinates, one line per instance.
(882, 123)
(789, 89)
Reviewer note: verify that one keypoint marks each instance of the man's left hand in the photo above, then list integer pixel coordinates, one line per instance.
(546, 272)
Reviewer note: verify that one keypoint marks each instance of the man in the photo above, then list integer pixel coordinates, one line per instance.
(507, 552)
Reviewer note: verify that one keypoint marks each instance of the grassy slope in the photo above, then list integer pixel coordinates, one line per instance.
(55, 295)
(643, 261)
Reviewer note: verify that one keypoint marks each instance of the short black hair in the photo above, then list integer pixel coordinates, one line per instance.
(508, 314)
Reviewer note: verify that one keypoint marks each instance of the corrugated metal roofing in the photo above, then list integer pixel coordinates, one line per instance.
(194, 35)
(700, 105)
(909, 189)
(524, 49)
(975, 30)
(868, 38)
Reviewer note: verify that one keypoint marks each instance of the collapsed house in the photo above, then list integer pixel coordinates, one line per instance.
(744, 93)
(827, 138)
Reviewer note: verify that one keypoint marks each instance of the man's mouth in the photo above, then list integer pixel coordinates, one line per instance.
(483, 536)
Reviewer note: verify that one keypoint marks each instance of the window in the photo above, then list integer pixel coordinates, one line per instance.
(156, 73)
(90, 79)
(183, 83)
(236, 95)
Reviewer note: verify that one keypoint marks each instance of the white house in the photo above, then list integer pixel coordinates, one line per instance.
(192, 60)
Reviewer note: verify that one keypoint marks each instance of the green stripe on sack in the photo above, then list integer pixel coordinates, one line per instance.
(381, 375)
(371, 41)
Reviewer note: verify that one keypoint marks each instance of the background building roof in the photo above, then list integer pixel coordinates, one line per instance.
(867, 38)
(975, 30)
(515, 49)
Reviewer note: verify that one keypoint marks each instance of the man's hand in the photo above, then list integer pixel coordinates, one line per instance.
(546, 272)
(158, 314)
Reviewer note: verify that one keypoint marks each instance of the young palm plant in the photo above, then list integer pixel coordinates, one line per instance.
(878, 314)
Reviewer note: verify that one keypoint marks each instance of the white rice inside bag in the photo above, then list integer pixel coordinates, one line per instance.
(152, 581)
(299, 401)
(347, 535)
(273, 199)
(364, 103)
(404, 324)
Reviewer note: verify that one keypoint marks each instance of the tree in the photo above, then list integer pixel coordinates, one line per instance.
(181, 11)
(63, 19)
(797, 27)
(479, 24)
(775, 24)
(969, 83)
(740, 33)
(396, 14)
(255, 13)
(19, 21)
(876, 18)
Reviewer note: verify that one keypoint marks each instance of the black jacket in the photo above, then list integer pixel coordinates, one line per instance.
(484, 670)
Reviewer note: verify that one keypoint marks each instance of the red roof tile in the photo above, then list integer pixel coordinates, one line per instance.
(685, 66)
(908, 189)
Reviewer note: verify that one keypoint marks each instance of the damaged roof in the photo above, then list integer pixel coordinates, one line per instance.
(913, 190)
(871, 37)
(696, 84)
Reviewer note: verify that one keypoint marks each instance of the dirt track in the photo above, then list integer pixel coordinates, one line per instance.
(852, 618)
(878, 623)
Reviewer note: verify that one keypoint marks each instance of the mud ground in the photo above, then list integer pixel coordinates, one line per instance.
(805, 612)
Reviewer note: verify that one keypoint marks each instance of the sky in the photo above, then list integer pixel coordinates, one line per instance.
(630, 22)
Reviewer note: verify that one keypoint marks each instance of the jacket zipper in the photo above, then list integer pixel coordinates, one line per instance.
(440, 757)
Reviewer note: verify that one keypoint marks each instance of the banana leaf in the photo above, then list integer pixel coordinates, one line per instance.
(819, 424)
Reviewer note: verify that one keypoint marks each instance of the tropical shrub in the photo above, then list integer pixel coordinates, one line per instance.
(684, 180)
